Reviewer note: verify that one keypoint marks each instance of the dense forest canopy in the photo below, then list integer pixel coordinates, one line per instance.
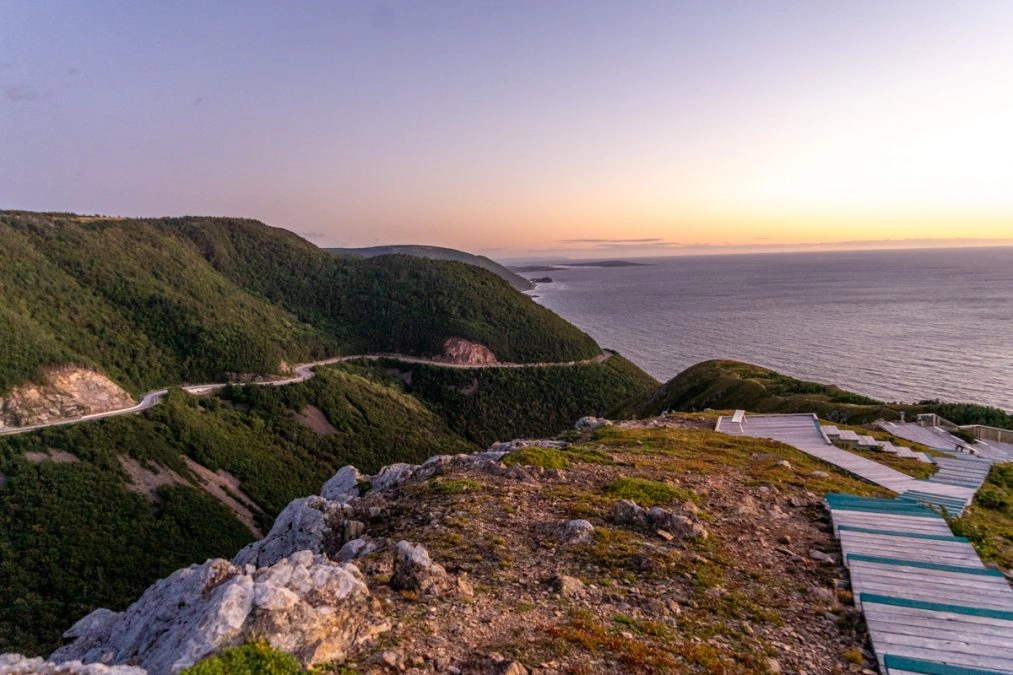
(155, 302)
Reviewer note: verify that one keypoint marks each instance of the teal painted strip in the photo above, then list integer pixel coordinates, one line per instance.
(875, 599)
(918, 512)
(931, 667)
(881, 504)
(980, 571)
(921, 513)
(839, 498)
(909, 535)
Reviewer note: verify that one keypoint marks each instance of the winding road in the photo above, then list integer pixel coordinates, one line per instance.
(303, 372)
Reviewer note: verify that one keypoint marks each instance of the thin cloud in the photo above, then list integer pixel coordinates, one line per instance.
(21, 93)
(611, 241)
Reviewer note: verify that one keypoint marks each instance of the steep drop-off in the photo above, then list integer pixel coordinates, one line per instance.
(90, 514)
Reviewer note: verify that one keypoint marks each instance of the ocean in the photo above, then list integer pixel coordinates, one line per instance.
(903, 325)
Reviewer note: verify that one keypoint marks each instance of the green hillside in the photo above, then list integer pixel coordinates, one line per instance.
(73, 537)
(499, 404)
(440, 253)
(727, 385)
(152, 302)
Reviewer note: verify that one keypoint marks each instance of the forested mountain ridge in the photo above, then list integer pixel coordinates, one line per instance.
(152, 302)
(93, 512)
(440, 253)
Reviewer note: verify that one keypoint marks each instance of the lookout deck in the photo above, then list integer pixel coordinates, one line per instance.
(931, 605)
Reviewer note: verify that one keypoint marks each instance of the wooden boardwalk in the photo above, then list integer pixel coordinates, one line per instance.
(931, 605)
(804, 432)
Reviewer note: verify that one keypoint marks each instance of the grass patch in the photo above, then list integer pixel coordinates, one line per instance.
(620, 554)
(648, 493)
(253, 658)
(644, 626)
(702, 451)
(453, 486)
(551, 458)
(584, 631)
(988, 523)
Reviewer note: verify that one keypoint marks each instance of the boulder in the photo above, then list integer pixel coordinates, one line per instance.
(591, 423)
(574, 531)
(390, 476)
(343, 486)
(678, 525)
(414, 571)
(820, 556)
(520, 444)
(304, 525)
(304, 604)
(566, 586)
(356, 548)
(628, 512)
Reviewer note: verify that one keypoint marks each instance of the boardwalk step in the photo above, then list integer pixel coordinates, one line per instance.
(895, 533)
(903, 665)
(931, 605)
(1002, 615)
(928, 565)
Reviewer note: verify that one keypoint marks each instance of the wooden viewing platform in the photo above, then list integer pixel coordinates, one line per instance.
(931, 605)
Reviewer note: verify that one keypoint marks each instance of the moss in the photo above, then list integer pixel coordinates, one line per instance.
(254, 658)
(988, 522)
(648, 493)
(551, 458)
(584, 631)
(453, 486)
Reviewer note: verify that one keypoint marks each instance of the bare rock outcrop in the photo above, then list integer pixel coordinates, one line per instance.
(305, 604)
(590, 423)
(343, 486)
(415, 571)
(16, 664)
(65, 393)
(307, 524)
(461, 351)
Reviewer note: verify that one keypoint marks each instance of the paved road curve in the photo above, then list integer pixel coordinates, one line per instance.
(303, 372)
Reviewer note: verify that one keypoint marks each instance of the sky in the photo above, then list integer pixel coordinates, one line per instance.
(514, 128)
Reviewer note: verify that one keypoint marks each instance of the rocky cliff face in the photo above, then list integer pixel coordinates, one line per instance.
(644, 547)
(459, 350)
(66, 392)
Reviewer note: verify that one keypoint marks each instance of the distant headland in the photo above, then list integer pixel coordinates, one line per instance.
(564, 265)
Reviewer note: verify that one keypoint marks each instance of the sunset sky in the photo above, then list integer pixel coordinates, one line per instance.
(521, 128)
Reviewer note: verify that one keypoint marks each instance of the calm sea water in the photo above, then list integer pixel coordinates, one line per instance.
(896, 325)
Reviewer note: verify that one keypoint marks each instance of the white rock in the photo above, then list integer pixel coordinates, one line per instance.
(356, 548)
(575, 531)
(306, 605)
(390, 476)
(590, 423)
(822, 557)
(520, 444)
(16, 664)
(343, 486)
(301, 526)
